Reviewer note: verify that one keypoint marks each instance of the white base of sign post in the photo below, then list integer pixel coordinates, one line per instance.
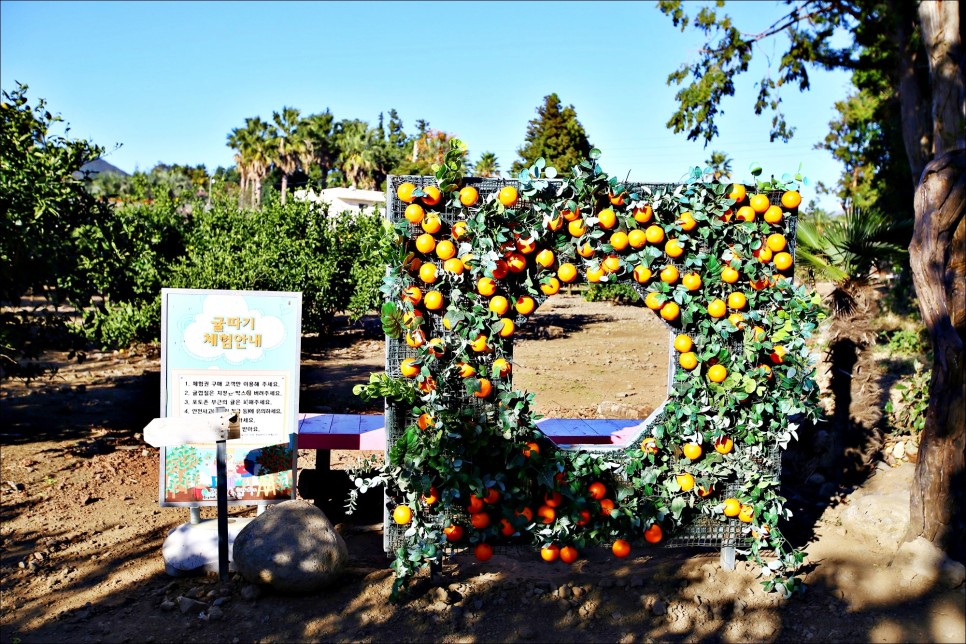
(193, 548)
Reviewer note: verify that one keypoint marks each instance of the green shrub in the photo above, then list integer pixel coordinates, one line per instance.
(124, 323)
(619, 293)
(908, 415)
(908, 342)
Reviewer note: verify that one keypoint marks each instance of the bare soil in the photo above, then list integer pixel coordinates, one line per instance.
(81, 534)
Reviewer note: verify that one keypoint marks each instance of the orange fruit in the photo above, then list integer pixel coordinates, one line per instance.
(776, 242)
(746, 513)
(778, 354)
(453, 533)
(551, 286)
(607, 218)
(499, 304)
(597, 490)
(412, 294)
(402, 514)
(485, 286)
(502, 367)
(642, 274)
(577, 227)
(508, 196)
(508, 328)
(460, 230)
(425, 421)
(621, 548)
(432, 197)
(643, 214)
(409, 368)
(526, 513)
(492, 495)
(525, 305)
(688, 360)
(654, 234)
(553, 499)
(783, 261)
(425, 243)
(483, 552)
(774, 215)
(737, 192)
(569, 554)
(729, 275)
(486, 388)
(516, 262)
(691, 281)
(791, 199)
(653, 301)
(480, 520)
(475, 506)
(760, 284)
(546, 514)
(717, 308)
(687, 222)
(673, 248)
(670, 311)
(550, 553)
(637, 238)
(469, 196)
(758, 333)
(427, 385)
(726, 215)
(617, 200)
(611, 264)
(685, 481)
(737, 300)
(526, 246)
(501, 270)
(445, 250)
(434, 300)
(737, 319)
(649, 445)
(530, 450)
(555, 224)
(466, 370)
(454, 266)
(427, 272)
(704, 491)
(567, 272)
(479, 344)
(653, 534)
(723, 444)
(763, 254)
(717, 373)
(414, 213)
(759, 202)
(669, 275)
(545, 258)
(606, 507)
(431, 223)
(584, 517)
(683, 343)
(413, 318)
(619, 240)
(570, 215)
(586, 251)
(745, 213)
(405, 192)
(415, 338)
(594, 273)
(692, 451)
(506, 528)
(732, 507)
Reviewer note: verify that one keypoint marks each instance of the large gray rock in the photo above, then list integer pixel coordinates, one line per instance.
(292, 547)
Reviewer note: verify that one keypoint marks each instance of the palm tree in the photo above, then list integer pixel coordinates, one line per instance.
(237, 141)
(720, 163)
(487, 166)
(255, 147)
(321, 147)
(292, 146)
(846, 251)
(356, 159)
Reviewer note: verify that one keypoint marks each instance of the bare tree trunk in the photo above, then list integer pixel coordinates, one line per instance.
(944, 48)
(284, 186)
(915, 122)
(938, 261)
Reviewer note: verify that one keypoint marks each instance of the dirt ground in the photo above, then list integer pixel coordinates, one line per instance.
(81, 533)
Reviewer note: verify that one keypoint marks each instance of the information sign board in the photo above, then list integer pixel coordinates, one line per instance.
(231, 350)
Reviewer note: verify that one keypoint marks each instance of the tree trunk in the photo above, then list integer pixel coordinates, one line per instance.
(938, 260)
(284, 186)
(944, 49)
(915, 123)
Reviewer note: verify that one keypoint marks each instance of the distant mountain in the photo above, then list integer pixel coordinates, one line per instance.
(97, 166)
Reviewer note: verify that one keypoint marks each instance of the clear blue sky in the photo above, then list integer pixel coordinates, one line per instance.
(168, 81)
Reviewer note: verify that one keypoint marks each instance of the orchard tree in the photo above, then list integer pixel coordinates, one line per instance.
(292, 146)
(487, 165)
(556, 135)
(916, 49)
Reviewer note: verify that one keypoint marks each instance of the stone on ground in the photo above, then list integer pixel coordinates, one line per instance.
(292, 548)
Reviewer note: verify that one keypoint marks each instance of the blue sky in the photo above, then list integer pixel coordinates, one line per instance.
(168, 81)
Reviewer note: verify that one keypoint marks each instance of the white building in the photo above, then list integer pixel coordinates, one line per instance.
(342, 199)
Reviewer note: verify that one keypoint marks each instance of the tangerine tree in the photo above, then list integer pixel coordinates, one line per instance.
(468, 440)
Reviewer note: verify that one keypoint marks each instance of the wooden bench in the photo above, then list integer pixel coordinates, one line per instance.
(326, 432)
